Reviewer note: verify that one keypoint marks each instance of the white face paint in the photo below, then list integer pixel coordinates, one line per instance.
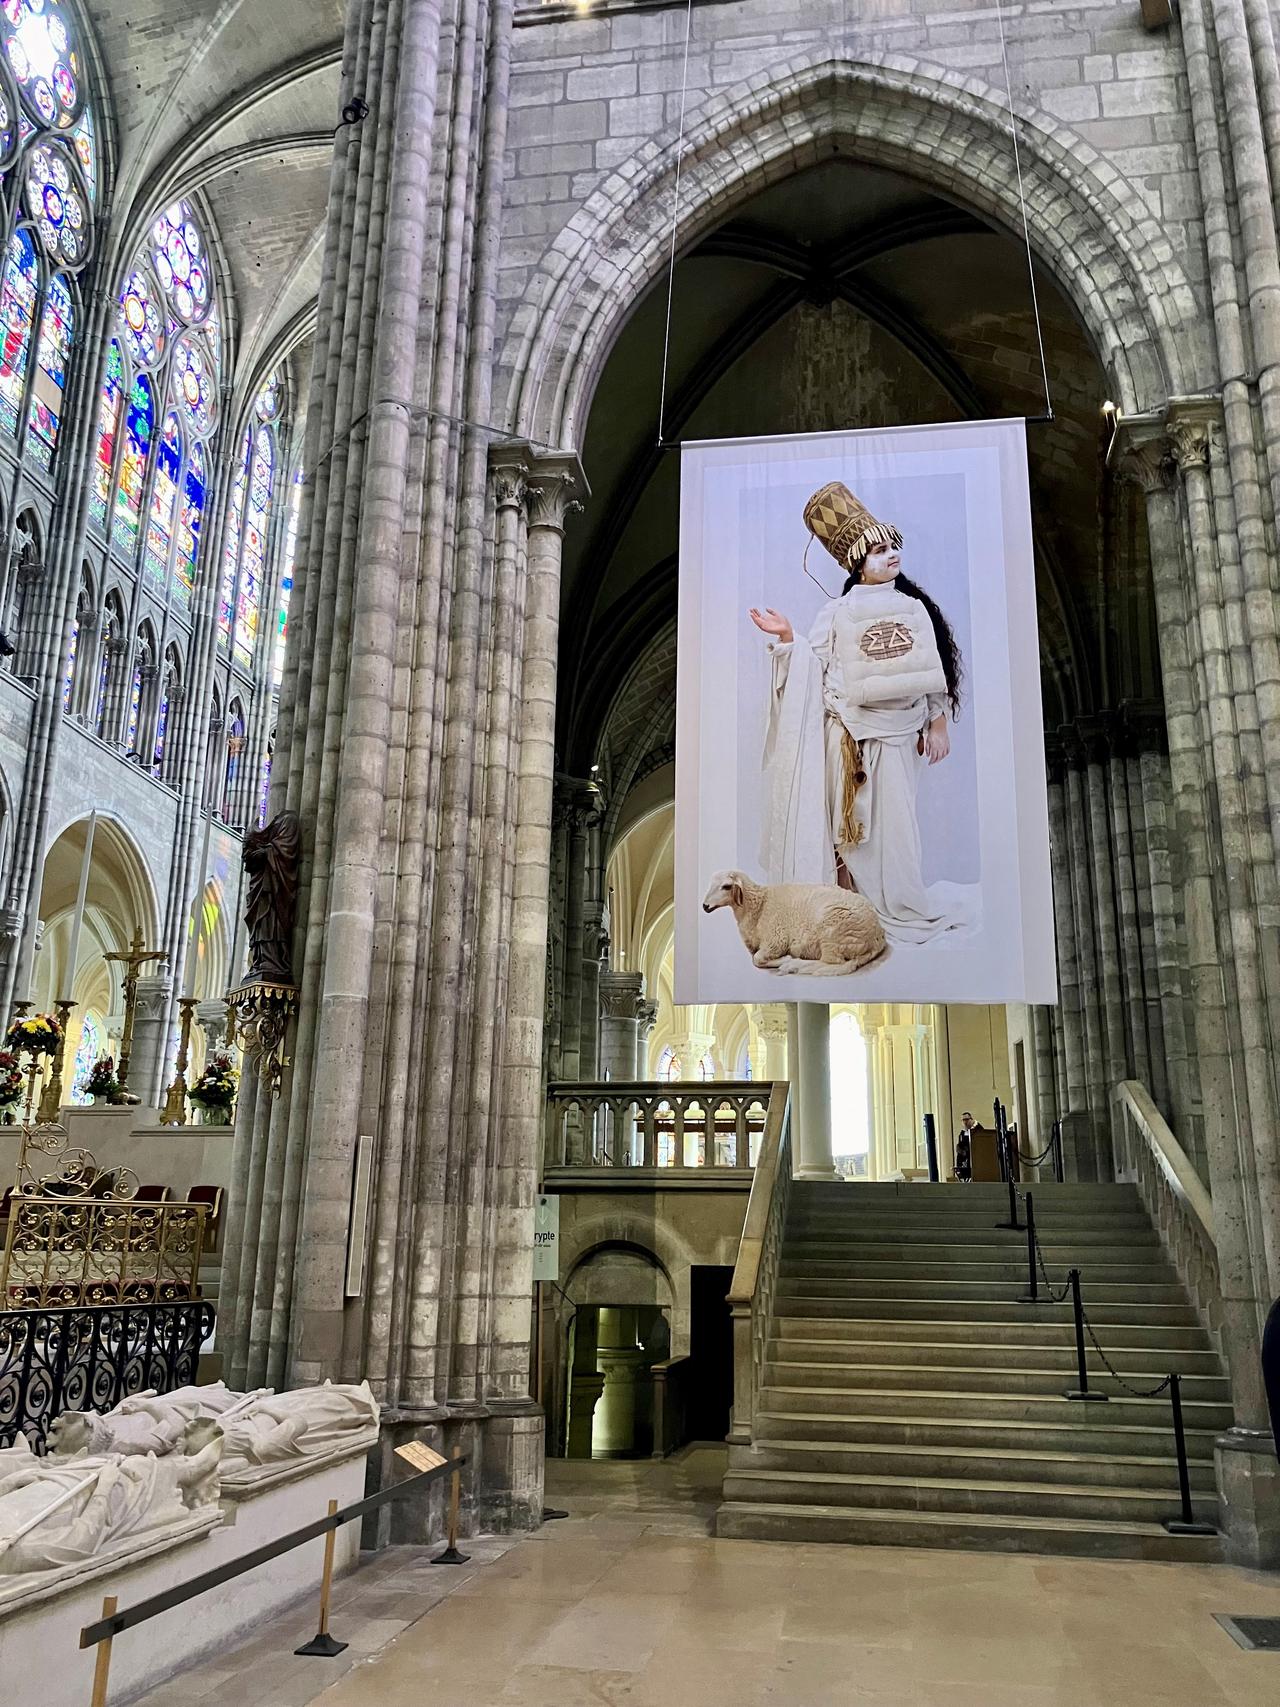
(882, 564)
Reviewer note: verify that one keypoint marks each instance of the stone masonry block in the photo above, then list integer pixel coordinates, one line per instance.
(1138, 95)
(1072, 104)
(602, 82)
(579, 121)
(639, 115)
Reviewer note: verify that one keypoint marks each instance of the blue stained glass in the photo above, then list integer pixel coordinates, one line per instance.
(139, 425)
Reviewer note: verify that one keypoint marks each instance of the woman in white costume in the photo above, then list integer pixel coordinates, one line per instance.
(858, 709)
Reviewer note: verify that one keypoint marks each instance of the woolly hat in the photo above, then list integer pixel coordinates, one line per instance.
(845, 525)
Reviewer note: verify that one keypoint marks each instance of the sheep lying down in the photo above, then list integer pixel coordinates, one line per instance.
(799, 927)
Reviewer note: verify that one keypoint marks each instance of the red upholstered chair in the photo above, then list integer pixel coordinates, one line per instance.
(152, 1194)
(211, 1197)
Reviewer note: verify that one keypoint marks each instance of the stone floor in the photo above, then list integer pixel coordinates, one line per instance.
(631, 1603)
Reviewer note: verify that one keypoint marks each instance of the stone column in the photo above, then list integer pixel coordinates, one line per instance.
(595, 953)
(772, 1026)
(415, 741)
(621, 1003)
(150, 1038)
(813, 1059)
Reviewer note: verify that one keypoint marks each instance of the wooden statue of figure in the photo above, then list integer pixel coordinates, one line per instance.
(271, 857)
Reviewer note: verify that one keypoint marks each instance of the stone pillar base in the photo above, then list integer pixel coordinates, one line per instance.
(1248, 1475)
(501, 1482)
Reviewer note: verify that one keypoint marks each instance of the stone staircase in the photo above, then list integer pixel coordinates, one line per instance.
(909, 1397)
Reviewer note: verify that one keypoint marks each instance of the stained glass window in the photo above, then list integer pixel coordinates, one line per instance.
(135, 709)
(17, 312)
(90, 1047)
(162, 724)
(193, 384)
(253, 554)
(86, 147)
(235, 527)
(143, 322)
(53, 353)
(108, 427)
(178, 257)
(264, 790)
(190, 516)
(139, 426)
(69, 674)
(54, 201)
(286, 583)
(164, 504)
(40, 47)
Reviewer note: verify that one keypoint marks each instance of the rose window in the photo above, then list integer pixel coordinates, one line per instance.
(177, 254)
(56, 204)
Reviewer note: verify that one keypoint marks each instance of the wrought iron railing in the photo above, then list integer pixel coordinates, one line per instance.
(89, 1359)
(694, 1124)
(63, 1251)
(755, 1275)
(1173, 1195)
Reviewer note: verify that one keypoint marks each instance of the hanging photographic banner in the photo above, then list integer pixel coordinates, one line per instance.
(860, 789)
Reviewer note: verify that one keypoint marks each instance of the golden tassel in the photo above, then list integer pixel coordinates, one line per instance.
(852, 831)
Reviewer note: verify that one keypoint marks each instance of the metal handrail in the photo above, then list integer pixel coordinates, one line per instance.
(1168, 1154)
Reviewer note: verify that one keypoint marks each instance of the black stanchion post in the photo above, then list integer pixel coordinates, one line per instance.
(1059, 1173)
(931, 1148)
(451, 1555)
(1185, 1523)
(1033, 1278)
(1082, 1390)
(1002, 1155)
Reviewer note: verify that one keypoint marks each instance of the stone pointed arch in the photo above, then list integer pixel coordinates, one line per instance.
(1088, 225)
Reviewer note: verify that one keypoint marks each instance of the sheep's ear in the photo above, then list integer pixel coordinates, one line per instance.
(735, 889)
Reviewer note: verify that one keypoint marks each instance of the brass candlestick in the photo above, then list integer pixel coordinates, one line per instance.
(50, 1110)
(174, 1112)
(133, 962)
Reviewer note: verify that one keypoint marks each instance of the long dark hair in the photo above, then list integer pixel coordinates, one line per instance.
(948, 651)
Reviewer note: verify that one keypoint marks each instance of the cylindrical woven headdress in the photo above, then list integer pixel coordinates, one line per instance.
(845, 525)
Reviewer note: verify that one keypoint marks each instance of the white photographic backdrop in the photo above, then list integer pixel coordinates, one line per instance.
(958, 494)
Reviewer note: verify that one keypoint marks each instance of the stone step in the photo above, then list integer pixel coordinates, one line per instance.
(1087, 1467)
(919, 1198)
(1147, 1363)
(759, 1520)
(850, 1241)
(1102, 1313)
(991, 1377)
(1049, 1408)
(1035, 1326)
(995, 1497)
(1095, 1432)
(791, 1293)
(905, 1287)
(1010, 1267)
(838, 1257)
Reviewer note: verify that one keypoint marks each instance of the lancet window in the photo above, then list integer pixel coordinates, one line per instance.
(245, 561)
(48, 181)
(158, 410)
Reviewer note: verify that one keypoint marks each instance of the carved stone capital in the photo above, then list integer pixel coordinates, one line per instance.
(510, 485)
(648, 1017)
(1146, 464)
(622, 995)
(553, 485)
(771, 1025)
(1190, 424)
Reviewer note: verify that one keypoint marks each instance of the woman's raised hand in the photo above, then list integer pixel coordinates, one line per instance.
(770, 621)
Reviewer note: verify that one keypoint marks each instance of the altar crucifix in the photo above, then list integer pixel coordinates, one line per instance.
(132, 962)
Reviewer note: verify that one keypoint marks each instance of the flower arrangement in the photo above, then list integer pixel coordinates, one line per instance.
(12, 1078)
(35, 1034)
(101, 1080)
(216, 1086)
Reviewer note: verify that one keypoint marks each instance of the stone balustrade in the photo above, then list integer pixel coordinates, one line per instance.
(689, 1127)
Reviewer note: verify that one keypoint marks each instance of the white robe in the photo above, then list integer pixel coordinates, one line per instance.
(804, 779)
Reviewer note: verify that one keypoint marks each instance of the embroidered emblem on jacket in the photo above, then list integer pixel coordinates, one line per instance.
(887, 639)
